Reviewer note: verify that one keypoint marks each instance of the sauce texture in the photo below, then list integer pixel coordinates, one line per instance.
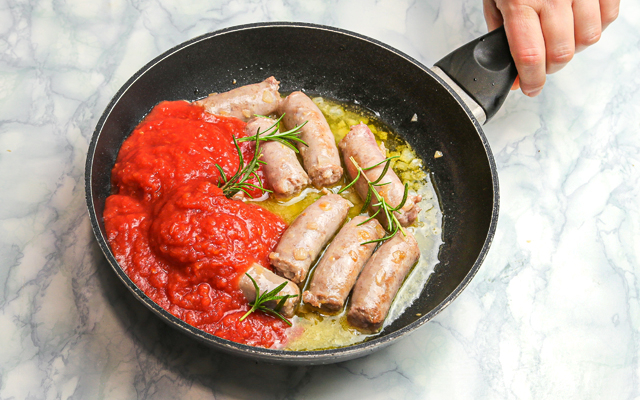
(178, 238)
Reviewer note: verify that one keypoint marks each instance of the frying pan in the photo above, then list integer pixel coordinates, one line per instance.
(347, 67)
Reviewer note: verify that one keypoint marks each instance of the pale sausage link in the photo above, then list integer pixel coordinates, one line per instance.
(302, 242)
(282, 169)
(246, 101)
(380, 280)
(320, 157)
(336, 273)
(360, 144)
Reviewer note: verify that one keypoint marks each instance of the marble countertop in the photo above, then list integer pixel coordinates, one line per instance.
(553, 313)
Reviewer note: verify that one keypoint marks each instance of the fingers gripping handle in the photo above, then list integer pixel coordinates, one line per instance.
(484, 68)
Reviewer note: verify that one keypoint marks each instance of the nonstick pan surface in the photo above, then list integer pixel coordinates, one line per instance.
(344, 66)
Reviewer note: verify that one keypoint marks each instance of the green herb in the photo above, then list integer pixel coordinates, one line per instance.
(238, 182)
(393, 225)
(273, 133)
(266, 297)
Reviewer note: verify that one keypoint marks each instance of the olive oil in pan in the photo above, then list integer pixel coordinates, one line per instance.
(315, 331)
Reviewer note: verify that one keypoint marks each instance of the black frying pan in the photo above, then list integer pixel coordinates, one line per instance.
(348, 67)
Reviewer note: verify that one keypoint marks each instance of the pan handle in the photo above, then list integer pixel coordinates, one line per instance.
(484, 69)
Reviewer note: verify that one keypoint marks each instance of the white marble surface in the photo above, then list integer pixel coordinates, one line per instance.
(554, 312)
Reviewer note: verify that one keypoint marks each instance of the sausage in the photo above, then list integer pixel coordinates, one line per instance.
(244, 102)
(336, 273)
(380, 280)
(302, 242)
(282, 169)
(267, 281)
(320, 157)
(360, 144)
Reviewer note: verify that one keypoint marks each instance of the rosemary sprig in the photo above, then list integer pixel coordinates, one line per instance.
(266, 297)
(273, 133)
(238, 182)
(393, 225)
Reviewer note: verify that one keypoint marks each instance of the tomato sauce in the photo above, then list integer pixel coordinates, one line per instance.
(178, 238)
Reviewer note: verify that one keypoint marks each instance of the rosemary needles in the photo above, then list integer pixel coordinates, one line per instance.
(241, 180)
(383, 208)
(273, 133)
(270, 296)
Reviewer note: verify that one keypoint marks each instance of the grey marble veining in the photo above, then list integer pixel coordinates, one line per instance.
(554, 312)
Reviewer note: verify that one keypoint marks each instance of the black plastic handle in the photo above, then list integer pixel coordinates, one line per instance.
(484, 69)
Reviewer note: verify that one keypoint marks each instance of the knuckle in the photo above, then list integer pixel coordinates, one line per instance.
(560, 55)
(590, 37)
(529, 57)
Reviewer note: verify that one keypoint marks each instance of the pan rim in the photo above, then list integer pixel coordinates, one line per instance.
(276, 355)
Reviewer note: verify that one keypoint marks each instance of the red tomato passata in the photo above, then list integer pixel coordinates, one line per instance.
(174, 233)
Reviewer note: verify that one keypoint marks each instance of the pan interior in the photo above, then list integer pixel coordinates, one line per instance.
(340, 66)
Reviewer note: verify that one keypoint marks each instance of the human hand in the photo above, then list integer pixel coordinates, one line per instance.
(544, 34)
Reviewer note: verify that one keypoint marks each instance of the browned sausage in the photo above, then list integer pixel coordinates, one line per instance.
(320, 158)
(244, 102)
(340, 265)
(302, 242)
(267, 281)
(283, 171)
(361, 145)
(380, 280)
